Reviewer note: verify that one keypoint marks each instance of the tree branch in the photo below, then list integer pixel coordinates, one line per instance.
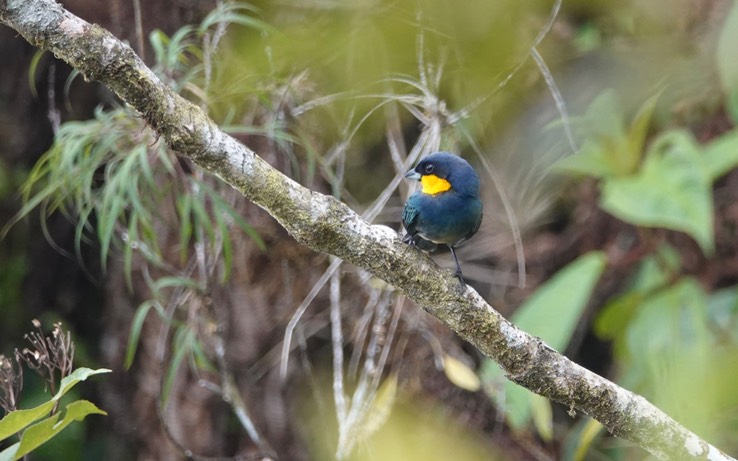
(324, 224)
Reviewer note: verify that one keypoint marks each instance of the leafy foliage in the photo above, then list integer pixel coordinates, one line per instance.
(552, 313)
(668, 186)
(131, 195)
(663, 324)
(36, 433)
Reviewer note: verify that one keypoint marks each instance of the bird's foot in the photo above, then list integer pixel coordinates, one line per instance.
(458, 275)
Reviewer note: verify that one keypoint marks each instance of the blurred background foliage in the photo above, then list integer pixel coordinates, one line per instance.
(604, 133)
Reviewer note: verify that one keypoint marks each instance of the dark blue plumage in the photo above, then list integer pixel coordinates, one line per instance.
(447, 209)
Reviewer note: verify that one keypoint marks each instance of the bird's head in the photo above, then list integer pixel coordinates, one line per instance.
(444, 171)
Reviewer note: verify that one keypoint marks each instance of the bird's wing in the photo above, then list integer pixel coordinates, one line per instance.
(477, 225)
(409, 217)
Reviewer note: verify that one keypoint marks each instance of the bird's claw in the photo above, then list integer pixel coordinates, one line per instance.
(458, 275)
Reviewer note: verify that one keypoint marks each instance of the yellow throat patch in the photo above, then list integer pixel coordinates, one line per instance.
(433, 185)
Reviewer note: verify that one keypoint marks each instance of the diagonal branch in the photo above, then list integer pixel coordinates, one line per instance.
(327, 225)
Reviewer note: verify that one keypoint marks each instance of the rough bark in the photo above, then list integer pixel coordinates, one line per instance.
(327, 225)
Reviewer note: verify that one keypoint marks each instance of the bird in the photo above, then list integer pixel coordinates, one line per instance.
(447, 209)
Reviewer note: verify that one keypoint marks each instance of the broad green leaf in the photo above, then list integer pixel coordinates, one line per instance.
(605, 118)
(655, 271)
(42, 432)
(542, 416)
(18, 420)
(614, 317)
(80, 374)
(721, 155)
(672, 190)
(591, 160)
(517, 405)
(512, 399)
(15, 421)
(601, 154)
(553, 311)
(609, 148)
(670, 317)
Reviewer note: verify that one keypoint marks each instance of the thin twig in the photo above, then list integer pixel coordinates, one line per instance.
(138, 21)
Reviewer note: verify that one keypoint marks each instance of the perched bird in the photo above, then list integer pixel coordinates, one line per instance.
(447, 209)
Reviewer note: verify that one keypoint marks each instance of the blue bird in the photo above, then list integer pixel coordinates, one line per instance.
(446, 210)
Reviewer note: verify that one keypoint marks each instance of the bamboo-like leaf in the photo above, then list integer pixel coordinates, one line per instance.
(181, 347)
(184, 210)
(33, 69)
(169, 282)
(588, 434)
(136, 325)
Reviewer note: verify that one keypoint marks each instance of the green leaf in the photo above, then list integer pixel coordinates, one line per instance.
(553, 311)
(512, 399)
(587, 435)
(80, 374)
(542, 416)
(639, 130)
(721, 155)
(182, 346)
(654, 272)
(517, 405)
(15, 421)
(184, 206)
(591, 160)
(32, 70)
(609, 149)
(136, 326)
(43, 431)
(613, 319)
(673, 190)
(673, 316)
(159, 41)
(179, 282)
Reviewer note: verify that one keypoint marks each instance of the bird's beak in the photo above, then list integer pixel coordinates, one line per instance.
(412, 174)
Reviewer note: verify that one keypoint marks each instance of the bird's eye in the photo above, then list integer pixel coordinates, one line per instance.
(428, 169)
